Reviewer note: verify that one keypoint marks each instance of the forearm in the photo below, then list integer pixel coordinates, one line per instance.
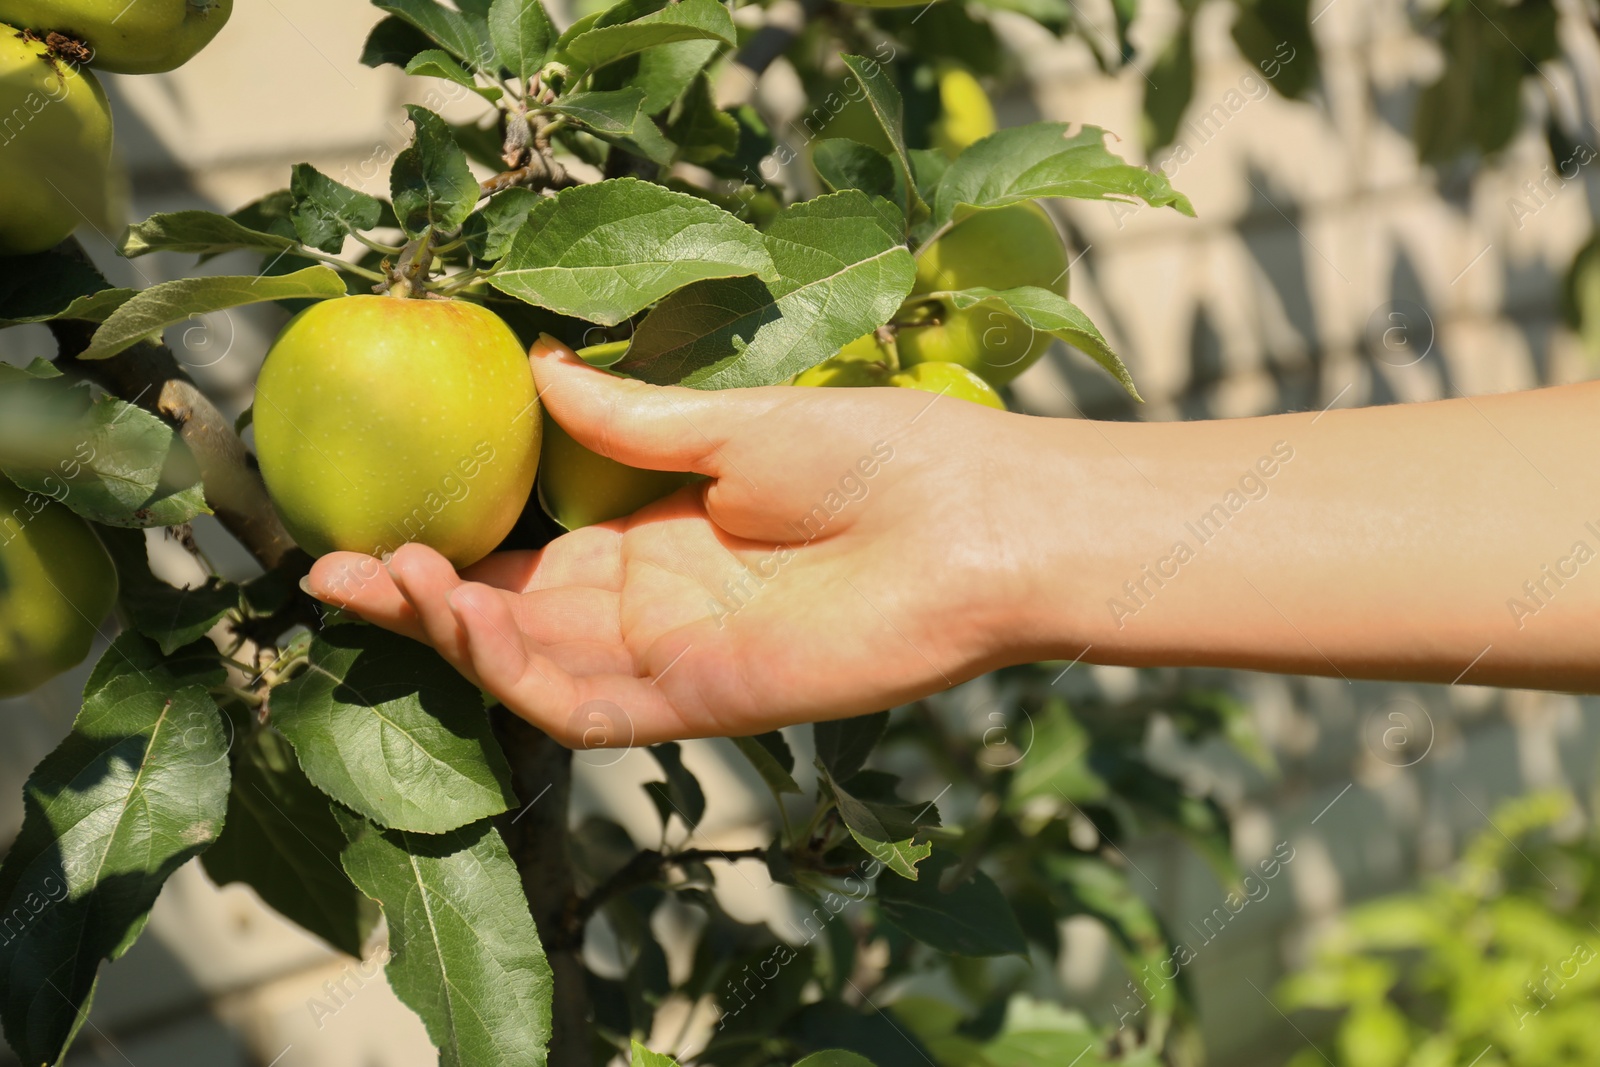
(1444, 541)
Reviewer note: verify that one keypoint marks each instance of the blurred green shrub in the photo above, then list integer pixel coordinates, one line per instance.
(1495, 965)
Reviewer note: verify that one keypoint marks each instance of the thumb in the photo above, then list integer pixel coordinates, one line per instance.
(664, 428)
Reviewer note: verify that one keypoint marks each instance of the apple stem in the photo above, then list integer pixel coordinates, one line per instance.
(405, 279)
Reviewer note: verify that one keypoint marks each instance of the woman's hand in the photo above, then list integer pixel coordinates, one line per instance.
(851, 550)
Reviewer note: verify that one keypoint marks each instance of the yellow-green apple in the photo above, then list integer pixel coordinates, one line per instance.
(381, 420)
(948, 379)
(862, 362)
(55, 146)
(126, 36)
(56, 585)
(579, 487)
(965, 114)
(1001, 248)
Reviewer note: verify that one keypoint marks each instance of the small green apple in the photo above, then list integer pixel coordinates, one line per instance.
(55, 146)
(1003, 248)
(862, 362)
(948, 379)
(381, 420)
(126, 36)
(56, 585)
(965, 114)
(579, 487)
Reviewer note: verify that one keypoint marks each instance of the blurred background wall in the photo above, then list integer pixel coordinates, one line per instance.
(1326, 268)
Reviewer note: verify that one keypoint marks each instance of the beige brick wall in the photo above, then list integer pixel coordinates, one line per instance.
(1315, 225)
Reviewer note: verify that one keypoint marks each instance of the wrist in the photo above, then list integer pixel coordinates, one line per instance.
(1055, 503)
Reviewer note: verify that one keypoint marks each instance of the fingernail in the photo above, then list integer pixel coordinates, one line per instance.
(305, 586)
(551, 347)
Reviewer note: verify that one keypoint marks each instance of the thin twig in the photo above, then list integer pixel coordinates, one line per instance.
(541, 172)
(646, 868)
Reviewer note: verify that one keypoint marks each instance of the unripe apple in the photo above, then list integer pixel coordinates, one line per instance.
(55, 146)
(56, 585)
(949, 379)
(865, 363)
(381, 420)
(965, 114)
(1003, 248)
(579, 487)
(862, 362)
(126, 36)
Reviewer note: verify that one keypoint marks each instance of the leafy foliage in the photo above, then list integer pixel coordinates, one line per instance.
(1498, 961)
(613, 197)
(138, 787)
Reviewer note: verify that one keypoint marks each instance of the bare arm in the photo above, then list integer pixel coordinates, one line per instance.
(1442, 541)
(852, 549)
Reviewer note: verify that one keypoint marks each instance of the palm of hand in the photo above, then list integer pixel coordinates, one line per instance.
(659, 626)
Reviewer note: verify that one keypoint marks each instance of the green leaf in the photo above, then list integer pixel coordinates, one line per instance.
(204, 232)
(387, 728)
(137, 788)
(971, 919)
(282, 840)
(662, 73)
(606, 251)
(887, 833)
(769, 754)
(437, 63)
(1042, 159)
(884, 99)
(50, 285)
(639, 1056)
(522, 34)
(107, 460)
(489, 232)
(845, 164)
(431, 182)
(463, 37)
(680, 794)
(842, 272)
(685, 20)
(618, 117)
(1053, 314)
(152, 310)
(169, 616)
(835, 1058)
(464, 954)
(325, 212)
(616, 111)
(704, 131)
(843, 745)
(1039, 1034)
(1087, 885)
(1055, 763)
(394, 40)
(273, 213)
